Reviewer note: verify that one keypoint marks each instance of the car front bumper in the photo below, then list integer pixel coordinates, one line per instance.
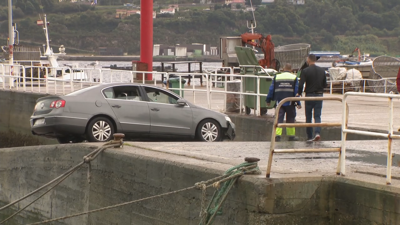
(230, 131)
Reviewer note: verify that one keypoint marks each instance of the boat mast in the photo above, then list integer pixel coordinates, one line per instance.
(253, 23)
(10, 33)
(48, 50)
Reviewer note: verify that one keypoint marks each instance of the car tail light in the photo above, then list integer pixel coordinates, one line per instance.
(57, 104)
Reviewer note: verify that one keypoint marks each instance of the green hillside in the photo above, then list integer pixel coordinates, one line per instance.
(341, 25)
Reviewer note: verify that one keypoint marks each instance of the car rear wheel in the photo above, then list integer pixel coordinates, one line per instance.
(100, 129)
(209, 130)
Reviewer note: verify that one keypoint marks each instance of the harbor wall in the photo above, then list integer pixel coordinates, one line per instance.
(17, 107)
(15, 111)
(252, 128)
(132, 173)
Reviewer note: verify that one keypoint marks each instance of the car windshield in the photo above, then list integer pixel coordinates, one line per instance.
(81, 91)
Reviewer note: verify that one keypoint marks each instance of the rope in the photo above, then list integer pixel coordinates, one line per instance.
(112, 206)
(200, 185)
(86, 159)
(221, 193)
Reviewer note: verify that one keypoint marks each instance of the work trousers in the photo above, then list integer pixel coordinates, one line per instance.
(290, 112)
(310, 107)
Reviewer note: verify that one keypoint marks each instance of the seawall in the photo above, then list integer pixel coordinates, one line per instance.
(138, 171)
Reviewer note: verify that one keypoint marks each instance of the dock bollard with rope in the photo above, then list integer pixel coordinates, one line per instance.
(207, 215)
(222, 184)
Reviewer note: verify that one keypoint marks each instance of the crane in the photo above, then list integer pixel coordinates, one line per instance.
(266, 45)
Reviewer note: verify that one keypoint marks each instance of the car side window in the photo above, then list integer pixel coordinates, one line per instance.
(123, 93)
(160, 96)
(108, 93)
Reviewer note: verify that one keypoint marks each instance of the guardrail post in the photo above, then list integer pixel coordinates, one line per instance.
(47, 80)
(242, 83)
(343, 136)
(343, 87)
(389, 155)
(258, 103)
(385, 86)
(3, 77)
(208, 92)
(364, 86)
(23, 78)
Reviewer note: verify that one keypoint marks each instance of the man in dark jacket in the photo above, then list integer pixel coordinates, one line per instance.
(315, 79)
(283, 86)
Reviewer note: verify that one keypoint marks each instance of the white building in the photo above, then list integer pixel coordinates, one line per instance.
(167, 11)
(297, 2)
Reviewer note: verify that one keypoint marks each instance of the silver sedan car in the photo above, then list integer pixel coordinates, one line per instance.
(137, 110)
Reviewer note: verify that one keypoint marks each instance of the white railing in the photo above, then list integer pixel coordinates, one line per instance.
(389, 134)
(361, 85)
(216, 83)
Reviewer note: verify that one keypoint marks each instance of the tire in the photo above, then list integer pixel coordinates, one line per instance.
(209, 130)
(100, 129)
(263, 111)
(247, 110)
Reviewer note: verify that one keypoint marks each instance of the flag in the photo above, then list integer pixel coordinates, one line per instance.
(39, 22)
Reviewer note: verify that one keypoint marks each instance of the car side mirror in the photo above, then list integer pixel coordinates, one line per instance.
(181, 102)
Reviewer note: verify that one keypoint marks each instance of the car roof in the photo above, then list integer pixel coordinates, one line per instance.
(107, 85)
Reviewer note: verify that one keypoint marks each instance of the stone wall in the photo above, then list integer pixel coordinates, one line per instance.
(15, 111)
(131, 173)
(251, 128)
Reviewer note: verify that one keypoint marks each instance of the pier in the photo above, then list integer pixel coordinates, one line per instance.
(303, 188)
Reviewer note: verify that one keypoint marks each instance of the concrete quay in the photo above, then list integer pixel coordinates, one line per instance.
(303, 188)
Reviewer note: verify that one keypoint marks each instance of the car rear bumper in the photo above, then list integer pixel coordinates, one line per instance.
(58, 126)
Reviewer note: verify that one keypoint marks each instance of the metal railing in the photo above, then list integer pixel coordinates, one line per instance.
(341, 168)
(272, 149)
(389, 135)
(385, 85)
(216, 83)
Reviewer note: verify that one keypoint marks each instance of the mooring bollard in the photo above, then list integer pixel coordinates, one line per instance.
(251, 159)
(256, 171)
(119, 137)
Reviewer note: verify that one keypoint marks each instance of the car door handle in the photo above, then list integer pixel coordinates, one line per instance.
(155, 109)
(116, 106)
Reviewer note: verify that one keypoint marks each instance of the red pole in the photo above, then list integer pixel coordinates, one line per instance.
(146, 35)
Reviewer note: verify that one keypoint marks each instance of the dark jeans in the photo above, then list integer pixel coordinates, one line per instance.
(290, 112)
(309, 107)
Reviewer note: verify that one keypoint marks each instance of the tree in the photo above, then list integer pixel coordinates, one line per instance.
(390, 20)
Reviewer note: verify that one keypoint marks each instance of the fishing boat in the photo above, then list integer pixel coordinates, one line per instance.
(57, 72)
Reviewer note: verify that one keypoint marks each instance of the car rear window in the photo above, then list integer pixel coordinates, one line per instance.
(81, 91)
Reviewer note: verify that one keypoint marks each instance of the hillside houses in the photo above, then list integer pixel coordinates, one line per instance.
(195, 49)
(122, 13)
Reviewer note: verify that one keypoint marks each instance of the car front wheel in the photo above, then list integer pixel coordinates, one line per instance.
(100, 129)
(209, 130)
